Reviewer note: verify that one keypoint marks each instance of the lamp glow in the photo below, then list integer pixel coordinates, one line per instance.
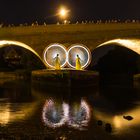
(63, 12)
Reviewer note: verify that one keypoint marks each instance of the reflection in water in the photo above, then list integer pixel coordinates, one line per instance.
(120, 125)
(12, 112)
(80, 115)
(16, 102)
(73, 110)
(4, 114)
(55, 116)
(76, 117)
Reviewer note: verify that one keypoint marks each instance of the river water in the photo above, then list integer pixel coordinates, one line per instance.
(32, 112)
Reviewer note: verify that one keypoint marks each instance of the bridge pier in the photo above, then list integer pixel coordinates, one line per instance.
(65, 78)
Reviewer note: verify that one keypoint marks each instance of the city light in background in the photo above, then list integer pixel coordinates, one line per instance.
(82, 10)
(63, 13)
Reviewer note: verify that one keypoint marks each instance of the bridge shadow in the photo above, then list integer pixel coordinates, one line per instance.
(116, 100)
(16, 91)
(110, 99)
(117, 63)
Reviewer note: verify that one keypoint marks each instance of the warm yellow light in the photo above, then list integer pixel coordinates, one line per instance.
(4, 114)
(63, 12)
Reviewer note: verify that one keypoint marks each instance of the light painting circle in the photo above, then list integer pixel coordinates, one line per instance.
(84, 54)
(51, 52)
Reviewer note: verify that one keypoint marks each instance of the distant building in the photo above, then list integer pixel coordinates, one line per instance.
(12, 57)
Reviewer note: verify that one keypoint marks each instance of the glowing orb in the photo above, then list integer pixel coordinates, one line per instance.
(83, 52)
(51, 52)
(63, 12)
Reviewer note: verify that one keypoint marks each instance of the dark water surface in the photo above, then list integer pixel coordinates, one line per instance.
(30, 112)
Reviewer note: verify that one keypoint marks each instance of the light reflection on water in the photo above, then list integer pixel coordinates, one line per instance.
(4, 114)
(79, 111)
(77, 116)
(55, 116)
(120, 125)
(80, 115)
(14, 112)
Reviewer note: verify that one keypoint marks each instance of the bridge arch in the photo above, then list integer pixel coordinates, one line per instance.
(117, 61)
(117, 56)
(16, 55)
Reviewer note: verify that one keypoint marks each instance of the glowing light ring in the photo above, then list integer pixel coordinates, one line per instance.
(51, 46)
(87, 51)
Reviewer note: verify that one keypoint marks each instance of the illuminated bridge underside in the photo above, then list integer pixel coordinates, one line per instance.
(117, 56)
(18, 56)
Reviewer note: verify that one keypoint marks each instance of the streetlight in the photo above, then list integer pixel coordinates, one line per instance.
(63, 14)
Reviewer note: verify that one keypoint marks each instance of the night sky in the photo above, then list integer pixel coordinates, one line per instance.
(21, 11)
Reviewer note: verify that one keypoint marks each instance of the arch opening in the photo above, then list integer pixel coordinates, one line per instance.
(117, 61)
(117, 56)
(18, 56)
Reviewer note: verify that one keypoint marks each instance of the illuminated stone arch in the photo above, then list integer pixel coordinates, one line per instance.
(15, 55)
(117, 56)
